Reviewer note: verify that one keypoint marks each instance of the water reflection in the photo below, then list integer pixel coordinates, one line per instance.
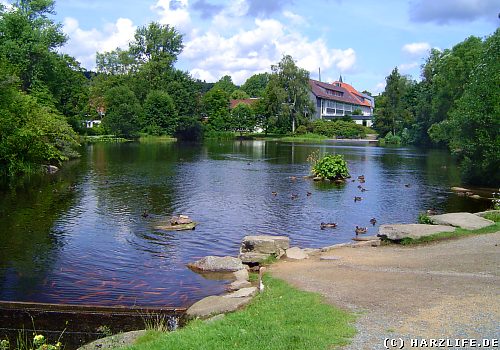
(91, 244)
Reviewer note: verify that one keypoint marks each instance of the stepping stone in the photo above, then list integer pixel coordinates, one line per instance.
(214, 305)
(241, 275)
(217, 264)
(295, 253)
(238, 284)
(399, 231)
(466, 221)
(242, 293)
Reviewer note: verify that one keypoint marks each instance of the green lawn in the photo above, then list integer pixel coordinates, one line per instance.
(281, 317)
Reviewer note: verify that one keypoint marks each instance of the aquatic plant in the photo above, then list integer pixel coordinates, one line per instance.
(332, 167)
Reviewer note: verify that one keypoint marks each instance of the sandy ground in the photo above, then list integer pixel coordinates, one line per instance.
(448, 289)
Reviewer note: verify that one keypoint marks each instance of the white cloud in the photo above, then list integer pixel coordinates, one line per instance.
(6, 4)
(379, 88)
(446, 11)
(83, 44)
(255, 50)
(417, 48)
(294, 18)
(177, 16)
(406, 67)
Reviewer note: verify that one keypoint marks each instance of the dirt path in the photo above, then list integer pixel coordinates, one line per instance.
(448, 289)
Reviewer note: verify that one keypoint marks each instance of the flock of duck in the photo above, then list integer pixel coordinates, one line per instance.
(326, 225)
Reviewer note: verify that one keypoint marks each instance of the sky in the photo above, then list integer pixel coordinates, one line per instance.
(361, 40)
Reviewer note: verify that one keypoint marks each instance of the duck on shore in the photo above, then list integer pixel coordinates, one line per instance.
(360, 230)
(324, 225)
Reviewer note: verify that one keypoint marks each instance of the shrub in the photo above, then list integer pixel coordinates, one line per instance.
(424, 219)
(301, 130)
(391, 139)
(332, 167)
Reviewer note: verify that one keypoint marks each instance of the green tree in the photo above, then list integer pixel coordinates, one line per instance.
(115, 62)
(160, 115)
(216, 106)
(123, 112)
(243, 118)
(239, 95)
(287, 95)
(225, 84)
(473, 127)
(255, 86)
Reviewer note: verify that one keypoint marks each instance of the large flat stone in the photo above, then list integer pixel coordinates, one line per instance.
(467, 221)
(241, 275)
(264, 244)
(217, 264)
(250, 257)
(399, 231)
(242, 293)
(484, 213)
(296, 253)
(214, 305)
(238, 284)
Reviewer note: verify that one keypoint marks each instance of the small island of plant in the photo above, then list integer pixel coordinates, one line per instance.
(331, 167)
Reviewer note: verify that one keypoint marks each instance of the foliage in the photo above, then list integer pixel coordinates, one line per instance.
(301, 130)
(189, 129)
(286, 99)
(123, 112)
(271, 322)
(390, 139)
(243, 118)
(216, 106)
(423, 218)
(239, 95)
(472, 130)
(332, 167)
(338, 129)
(308, 137)
(160, 115)
(493, 216)
(255, 86)
(496, 200)
(225, 84)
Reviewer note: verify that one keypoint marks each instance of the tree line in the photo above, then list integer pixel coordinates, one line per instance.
(455, 105)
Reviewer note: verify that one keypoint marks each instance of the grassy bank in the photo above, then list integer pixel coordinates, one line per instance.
(304, 138)
(155, 139)
(459, 232)
(281, 317)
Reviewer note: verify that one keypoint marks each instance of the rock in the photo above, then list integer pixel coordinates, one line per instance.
(241, 275)
(180, 220)
(215, 318)
(484, 213)
(114, 341)
(460, 189)
(295, 253)
(178, 227)
(311, 250)
(399, 231)
(372, 243)
(366, 238)
(475, 196)
(214, 305)
(238, 284)
(335, 246)
(317, 178)
(255, 249)
(217, 264)
(242, 293)
(466, 221)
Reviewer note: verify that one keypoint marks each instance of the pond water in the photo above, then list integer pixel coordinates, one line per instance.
(78, 237)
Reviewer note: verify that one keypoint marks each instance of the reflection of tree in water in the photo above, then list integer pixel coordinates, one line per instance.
(29, 245)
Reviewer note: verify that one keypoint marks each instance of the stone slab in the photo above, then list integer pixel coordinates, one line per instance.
(466, 221)
(214, 305)
(250, 257)
(330, 257)
(241, 275)
(373, 243)
(218, 264)
(397, 232)
(365, 238)
(296, 253)
(238, 284)
(242, 293)
(265, 244)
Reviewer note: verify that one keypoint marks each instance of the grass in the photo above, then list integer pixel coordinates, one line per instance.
(280, 318)
(493, 216)
(304, 138)
(459, 232)
(154, 139)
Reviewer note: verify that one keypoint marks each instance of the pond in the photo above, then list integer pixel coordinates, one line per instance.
(79, 237)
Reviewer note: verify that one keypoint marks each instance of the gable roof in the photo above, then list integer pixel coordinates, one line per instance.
(246, 101)
(349, 94)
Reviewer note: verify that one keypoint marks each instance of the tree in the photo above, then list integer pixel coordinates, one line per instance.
(225, 84)
(473, 127)
(160, 115)
(287, 95)
(216, 106)
(255, 86)
(239, 95)
(123, 112)
(392, 110)
(243, 118)
(115, 62)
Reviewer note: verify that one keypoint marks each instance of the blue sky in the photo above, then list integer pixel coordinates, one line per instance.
(362, 40)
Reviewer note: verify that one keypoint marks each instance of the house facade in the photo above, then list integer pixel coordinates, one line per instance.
(338, 99)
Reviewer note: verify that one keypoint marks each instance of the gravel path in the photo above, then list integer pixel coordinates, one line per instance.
(447, 289)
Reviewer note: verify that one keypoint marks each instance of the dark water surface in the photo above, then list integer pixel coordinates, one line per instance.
(79, 237)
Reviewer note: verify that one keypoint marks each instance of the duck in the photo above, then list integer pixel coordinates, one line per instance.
(274, 193)
(324, 225)
(308, 194)
(145, 213)
(360, 187)
(362, 181)
(357, 199)
(361, 177)
(360, 230)
(373, 221)
(363, 190)
(261, 284)
(294, 196)
(293, 178)
(407, 185)
(432, 211)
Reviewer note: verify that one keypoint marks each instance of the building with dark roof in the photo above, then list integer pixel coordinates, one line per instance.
(338, 99)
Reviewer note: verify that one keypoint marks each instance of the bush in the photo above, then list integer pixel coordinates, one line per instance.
(189, 129)
(301, 130)
(391, 139)
(332, 167)
(338, 128)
